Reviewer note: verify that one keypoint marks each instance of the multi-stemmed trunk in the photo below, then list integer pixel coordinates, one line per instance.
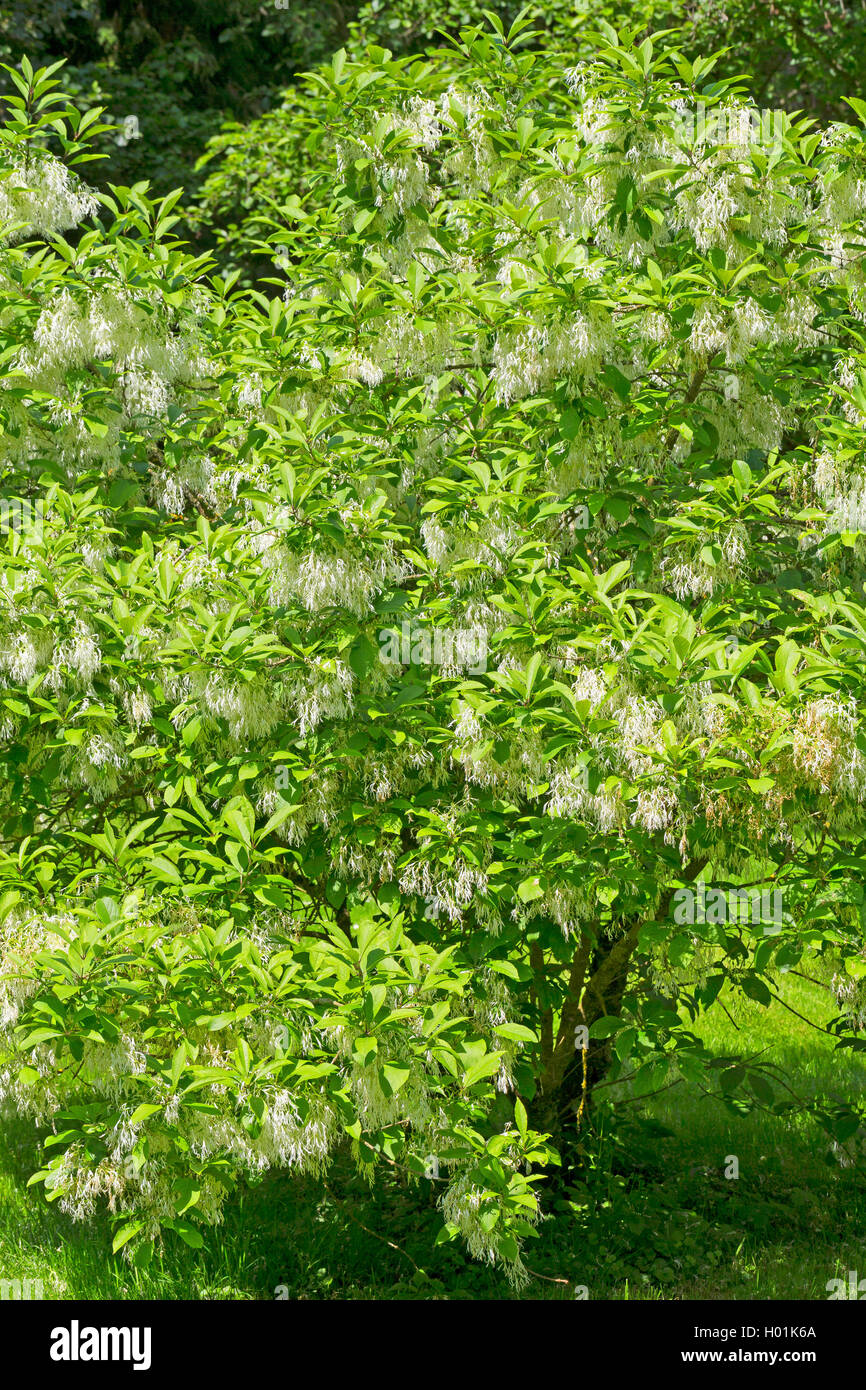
(572, 1065)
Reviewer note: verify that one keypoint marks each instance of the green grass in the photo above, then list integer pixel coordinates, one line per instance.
(794, 1218)
(782, 1229)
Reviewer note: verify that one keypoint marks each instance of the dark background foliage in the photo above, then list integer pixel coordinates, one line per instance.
(182, 69)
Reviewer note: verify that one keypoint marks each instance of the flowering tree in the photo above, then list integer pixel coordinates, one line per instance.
(402, 673)
(798, 60)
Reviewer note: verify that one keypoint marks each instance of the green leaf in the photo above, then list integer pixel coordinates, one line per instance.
(517, 1032)
(614, 378)
(755, 988)
(761, 1088)
(731, 1079)
(188, 1192)
(761, 784)
(484, 1068)
(605, 1027)
(364, 1049)
(520, 1118)
(188, 1233)
(125, 1235)
(240, 819)
(528, 891)
(569, 424)
(143, 1112)
(392, 1077)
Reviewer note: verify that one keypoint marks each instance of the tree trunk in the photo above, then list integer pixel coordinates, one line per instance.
(596, 986)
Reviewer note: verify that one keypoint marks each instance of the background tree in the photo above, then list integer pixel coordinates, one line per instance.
(170, 76)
